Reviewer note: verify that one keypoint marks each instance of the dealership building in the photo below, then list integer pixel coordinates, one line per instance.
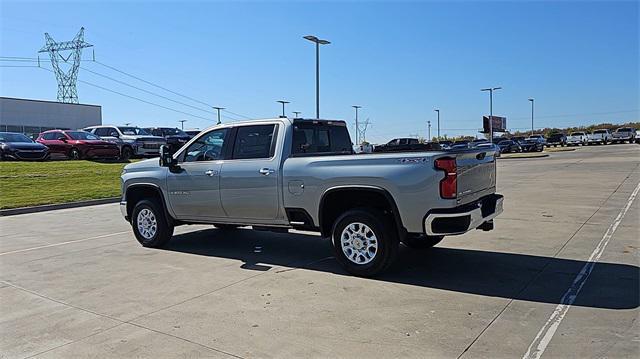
(34, 116)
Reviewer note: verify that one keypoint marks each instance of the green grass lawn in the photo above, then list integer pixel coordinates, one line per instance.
(34, 183)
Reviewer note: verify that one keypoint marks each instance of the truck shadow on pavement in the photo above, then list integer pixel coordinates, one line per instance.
(495, 274)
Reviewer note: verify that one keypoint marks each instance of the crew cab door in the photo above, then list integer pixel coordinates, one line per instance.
(249, 179)
(194, 189)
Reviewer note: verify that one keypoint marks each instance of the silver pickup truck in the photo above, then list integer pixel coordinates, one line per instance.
(283, 174)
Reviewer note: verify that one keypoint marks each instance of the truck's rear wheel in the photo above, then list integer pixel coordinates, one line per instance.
(421, 241)
(150, 225)
(365, 242)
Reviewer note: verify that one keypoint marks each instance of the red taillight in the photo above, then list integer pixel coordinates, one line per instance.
(449, 184)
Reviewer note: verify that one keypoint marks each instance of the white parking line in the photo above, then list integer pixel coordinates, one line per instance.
(544, 336)
(63, 243)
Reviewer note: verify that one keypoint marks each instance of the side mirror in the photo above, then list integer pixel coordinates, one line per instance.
(113, 134)
(166, 158)
(62, 138)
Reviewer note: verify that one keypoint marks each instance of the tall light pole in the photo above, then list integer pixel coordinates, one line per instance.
(438, 111)
(491, 89)
(318, 42)
(283, 103)
(531, 99)
(429, 133)
(357, 128)
(218, 109)
(182, 124)
(297, 113)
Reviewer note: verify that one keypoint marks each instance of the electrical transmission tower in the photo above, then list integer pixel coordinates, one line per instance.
(67, 91)
(362, 131)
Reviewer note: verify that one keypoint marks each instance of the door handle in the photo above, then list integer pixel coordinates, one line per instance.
(266, 171)
(211, 173)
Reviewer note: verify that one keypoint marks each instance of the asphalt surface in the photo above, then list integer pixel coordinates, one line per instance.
(558, 277)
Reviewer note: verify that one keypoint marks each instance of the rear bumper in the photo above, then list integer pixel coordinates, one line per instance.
(459, 220)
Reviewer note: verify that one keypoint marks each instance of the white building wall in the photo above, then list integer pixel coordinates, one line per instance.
(30, 116)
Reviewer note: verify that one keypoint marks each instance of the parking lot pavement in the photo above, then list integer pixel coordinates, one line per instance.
(76, 283)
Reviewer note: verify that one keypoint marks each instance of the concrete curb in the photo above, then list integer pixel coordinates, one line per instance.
(51, 207)
(541, 155)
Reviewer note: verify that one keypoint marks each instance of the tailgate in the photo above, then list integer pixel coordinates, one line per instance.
(476, 171)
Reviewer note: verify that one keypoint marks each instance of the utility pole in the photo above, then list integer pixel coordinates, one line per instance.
(438, 111)
(67, 80)
(283, 103)
(429, 133)
(218, 108)
(531, 99)
(357, 128)
(182, 124)
(297, 114)
(491, 89)
(318, 42)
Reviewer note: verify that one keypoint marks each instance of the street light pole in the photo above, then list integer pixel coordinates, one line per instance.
(491, 89)
(297, 114)
(283, 103)
(357, 128)
(429, 133)
(318, 42)
(218, 109)
(438, 111)
(531, 99)
(182, 124)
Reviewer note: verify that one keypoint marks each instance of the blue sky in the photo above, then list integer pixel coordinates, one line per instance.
(579, 60)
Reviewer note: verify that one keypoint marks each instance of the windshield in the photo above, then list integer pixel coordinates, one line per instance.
(505, 143)
(14, 137)
(132, 131)
(577, 134)
(625, 129)
(81, 135)
(600, 131)
(173, 132)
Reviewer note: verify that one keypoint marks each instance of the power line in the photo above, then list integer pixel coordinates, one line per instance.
(136, 98)
(164, 88)
(146, 91)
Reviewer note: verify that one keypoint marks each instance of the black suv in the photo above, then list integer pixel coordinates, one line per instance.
(175, 137)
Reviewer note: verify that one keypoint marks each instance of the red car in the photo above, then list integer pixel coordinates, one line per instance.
(78, 144)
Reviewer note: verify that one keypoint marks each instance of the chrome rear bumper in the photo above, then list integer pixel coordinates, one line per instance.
(463, 219)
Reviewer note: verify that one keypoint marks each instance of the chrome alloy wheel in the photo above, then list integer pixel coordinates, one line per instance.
(147, 223)
(359, 243)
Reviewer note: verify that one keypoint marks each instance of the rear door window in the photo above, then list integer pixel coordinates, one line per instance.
(254, 142)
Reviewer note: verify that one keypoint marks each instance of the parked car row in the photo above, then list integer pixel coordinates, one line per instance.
(95, 142)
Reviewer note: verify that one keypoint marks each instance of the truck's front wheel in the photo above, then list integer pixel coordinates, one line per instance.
(150, 225)
(365, 242)
(421, 241)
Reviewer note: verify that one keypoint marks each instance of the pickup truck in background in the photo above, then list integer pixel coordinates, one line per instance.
(282, 174)
(624, 134)
(557, 139)
(601, 137)
(577, 138)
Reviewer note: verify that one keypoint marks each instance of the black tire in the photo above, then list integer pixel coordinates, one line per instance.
(226, 227)
(164, 229)
(421, 241)
(125, 153)
(385, 233)
(74, 154)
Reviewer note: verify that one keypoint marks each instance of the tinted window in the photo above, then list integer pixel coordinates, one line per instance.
(104, 131)
(600, 131)
(320, 138)
(81, 135)
(52, 136)
(207, 147)
(132, 131)
(254, 142)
